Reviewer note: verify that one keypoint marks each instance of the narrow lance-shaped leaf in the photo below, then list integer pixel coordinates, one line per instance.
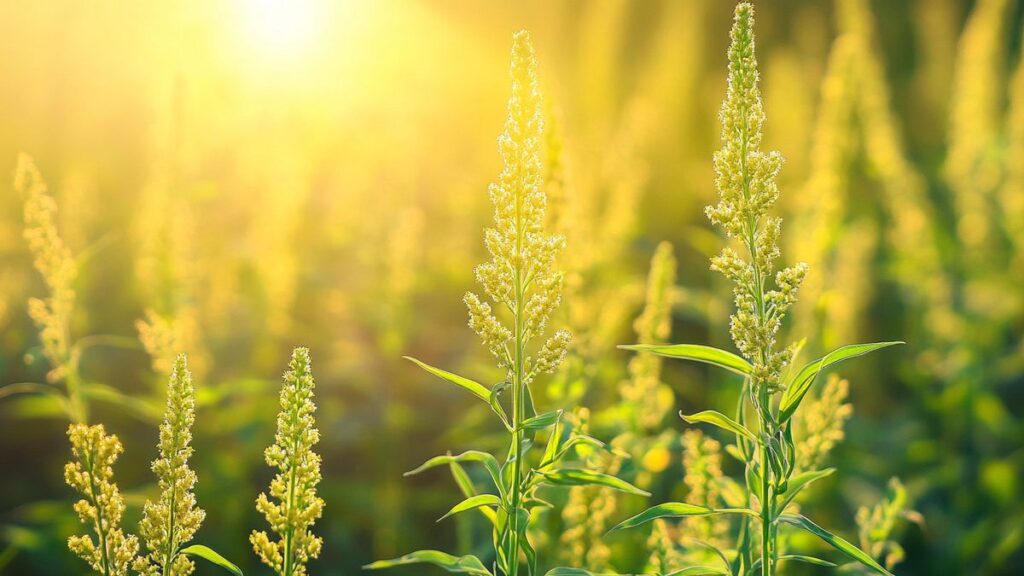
(676, 510)
(478, 389)
(489, 462)
(720, 420)
(466, 487)
(697, 353)
(456, 564)
(798, 387)
(698, 571)
(577, 477)
(542, 421)
(835, 541)
(799, 482)
(472, 503)
(200, 551)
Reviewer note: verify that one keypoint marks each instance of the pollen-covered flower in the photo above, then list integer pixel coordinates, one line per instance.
(745, 178)
(646, 398)
(879, 525)
(975, 122)
(53, 260)
(819, 425)
(520, 276)
(702, 461)
(172, 521)
(91, 474)
(292, 505)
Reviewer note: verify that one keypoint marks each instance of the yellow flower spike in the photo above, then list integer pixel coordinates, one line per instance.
(91, 474)
(173, 519)
(292, 505)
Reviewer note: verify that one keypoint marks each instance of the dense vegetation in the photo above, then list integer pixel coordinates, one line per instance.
(179, 223)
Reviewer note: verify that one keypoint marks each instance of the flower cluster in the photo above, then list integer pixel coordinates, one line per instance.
(53, 260)
(745, 178)
(102, 506)
(643, 392)
(819, 425)
(158, 337)
(587, 512)
(520, 275)
(877, 526)
(173, 519)
(702, 461)
(294, 487)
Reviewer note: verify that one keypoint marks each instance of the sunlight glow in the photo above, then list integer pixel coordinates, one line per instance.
(282, 29)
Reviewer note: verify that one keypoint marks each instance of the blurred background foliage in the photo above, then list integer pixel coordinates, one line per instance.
(246, 176)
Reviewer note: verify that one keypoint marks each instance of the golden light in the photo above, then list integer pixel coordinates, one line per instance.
(281, 30)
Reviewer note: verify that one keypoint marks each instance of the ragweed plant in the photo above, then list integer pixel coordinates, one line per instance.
(879, 525)
(764, 435)
(169, 523)
(52, 314)
(295, 505)
(522, 281)
(110, 551)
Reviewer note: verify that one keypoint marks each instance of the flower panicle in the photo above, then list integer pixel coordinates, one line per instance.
(520, 275)
(702, 461)
(819, 426)
(878, 526)
(292, 505)
(649, 400)
(55, 263)
(173, 519)
(746, 181)
(91, 474)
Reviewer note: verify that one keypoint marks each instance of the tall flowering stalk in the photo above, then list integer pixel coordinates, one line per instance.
(91, 474)
(293, 505)
(521, 283)
(169, 523)
(173, 519)
(52, 314)
(745, 178)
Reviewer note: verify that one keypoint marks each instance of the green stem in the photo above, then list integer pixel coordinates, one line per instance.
(100, 532)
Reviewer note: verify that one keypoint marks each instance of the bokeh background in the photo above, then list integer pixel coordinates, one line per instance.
(248, 176)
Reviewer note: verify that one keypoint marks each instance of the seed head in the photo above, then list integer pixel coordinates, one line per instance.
(91, 474)
(54, 262)
(174, 518)
(292, 505)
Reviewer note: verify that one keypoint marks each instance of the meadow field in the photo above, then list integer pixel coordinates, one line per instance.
(668, 287)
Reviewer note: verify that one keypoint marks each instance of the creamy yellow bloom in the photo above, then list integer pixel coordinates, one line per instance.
(745, 178)
(520, 276)
(53, 260)
(172, 520)
(102, 506)
(292, 505)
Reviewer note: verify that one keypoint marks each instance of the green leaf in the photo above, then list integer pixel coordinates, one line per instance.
(563, 571)
(459, 564)
(795, 557)
(720, 420)
(798, 386)
(542, 421)
(578, 477)
(466, 487)
(835, 541)
(697, 353)
(806, 560)
(209, 555)
(478, 389)
(472, 503)
(698, 571)
(489, 462)
(676, 510)
(801, 481)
